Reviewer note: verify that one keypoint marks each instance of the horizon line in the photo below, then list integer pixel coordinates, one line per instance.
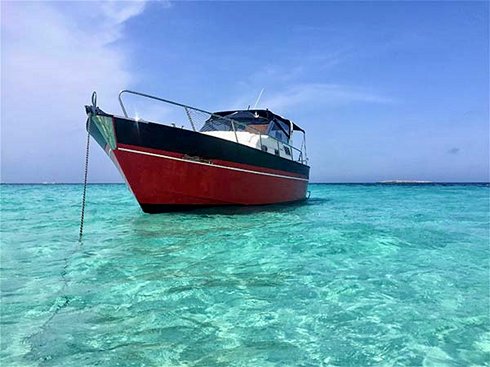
(384, 182)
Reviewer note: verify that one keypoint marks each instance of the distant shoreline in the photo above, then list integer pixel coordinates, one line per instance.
(418, 182)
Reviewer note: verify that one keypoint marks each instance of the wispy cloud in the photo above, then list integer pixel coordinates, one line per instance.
(53, 55)
(321, 94)
(119, 14)
(305, 81)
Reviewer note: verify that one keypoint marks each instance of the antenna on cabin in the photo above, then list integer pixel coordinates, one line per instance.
(258, 99)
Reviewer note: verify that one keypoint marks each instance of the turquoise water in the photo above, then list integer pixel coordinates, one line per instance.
(360, 275)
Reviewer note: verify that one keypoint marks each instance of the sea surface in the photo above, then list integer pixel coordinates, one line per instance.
(359, 275)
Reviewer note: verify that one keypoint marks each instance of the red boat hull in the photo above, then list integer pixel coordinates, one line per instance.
(172, 169)
(159, 178)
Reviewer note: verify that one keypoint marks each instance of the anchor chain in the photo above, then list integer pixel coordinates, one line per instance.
(85, 180)
(87, 150)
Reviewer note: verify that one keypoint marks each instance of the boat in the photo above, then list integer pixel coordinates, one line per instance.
(235, 157)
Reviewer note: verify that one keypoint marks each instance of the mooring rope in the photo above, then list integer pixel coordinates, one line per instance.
(85, 178)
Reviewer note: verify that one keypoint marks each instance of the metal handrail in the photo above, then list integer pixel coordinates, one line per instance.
(232, 122)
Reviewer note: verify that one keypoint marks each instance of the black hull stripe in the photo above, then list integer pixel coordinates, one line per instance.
(177, 140)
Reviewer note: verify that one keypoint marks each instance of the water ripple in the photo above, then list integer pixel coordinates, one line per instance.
(360, 275)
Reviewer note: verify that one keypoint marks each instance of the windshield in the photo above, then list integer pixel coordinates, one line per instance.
(244, 119)
(250, 121)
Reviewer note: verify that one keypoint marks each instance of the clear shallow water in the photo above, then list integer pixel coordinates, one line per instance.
(360, 275)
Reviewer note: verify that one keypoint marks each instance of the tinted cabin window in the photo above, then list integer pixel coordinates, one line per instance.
(279, 130)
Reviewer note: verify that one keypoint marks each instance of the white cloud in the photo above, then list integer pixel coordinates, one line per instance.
(289, 96)
(301, 82)
(319, 95)
(119, 14)
(54, 54)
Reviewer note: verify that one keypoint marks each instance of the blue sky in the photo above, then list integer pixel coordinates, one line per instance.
(385, 90)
